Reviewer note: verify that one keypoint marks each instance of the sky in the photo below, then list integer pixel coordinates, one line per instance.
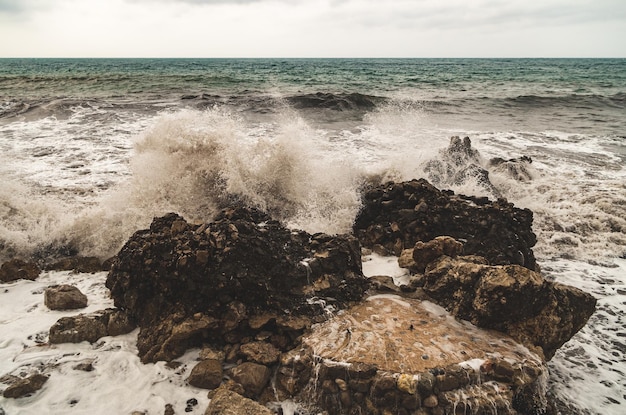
(312, 28)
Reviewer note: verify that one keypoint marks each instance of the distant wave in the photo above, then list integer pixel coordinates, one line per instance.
(339, 102)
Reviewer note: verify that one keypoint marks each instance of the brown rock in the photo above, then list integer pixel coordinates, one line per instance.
(260, 352)
(206, 375)
(252, 376)
(226, 402)
(77, 264)
(426, 252)
(25, 386)
(17, 269)
(64, 297)
(84, 327)
(511, 299)
(430, 401)
(119, 323)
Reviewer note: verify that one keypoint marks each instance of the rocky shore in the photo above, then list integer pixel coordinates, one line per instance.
(282, 315)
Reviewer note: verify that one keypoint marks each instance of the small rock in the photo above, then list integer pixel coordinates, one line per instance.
(260, 352)
(226, 402)
(64, 297)
(431, 401)
(25, 386)
(169, 409)
(84, 327)
(252, 376)
(206, 375)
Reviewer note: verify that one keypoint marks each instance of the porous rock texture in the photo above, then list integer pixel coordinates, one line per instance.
(186, 284)
(397, 215)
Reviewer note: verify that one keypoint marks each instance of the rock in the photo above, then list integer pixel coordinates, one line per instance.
(426, 252)
(17, 269)
(206, 375)
(517, 168)
(252, 376)
(87, 327)
(169, 409)
(511, 299)
(394, 354)
(25, 386)
(226, 402)
(235, 269)
(260, 352)
(398, 215)
(457, 164)
(88, 265)
(64, 297)
(119, 323)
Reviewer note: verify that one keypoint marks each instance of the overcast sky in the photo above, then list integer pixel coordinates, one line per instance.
(312, 28)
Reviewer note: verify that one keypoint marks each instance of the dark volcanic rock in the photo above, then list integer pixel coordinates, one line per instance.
(511, 299)
(64, 297)
(397, 215)
(17, 269)
(25, 386)
(210, 281)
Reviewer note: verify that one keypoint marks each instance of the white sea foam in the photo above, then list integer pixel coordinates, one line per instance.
(119, 382)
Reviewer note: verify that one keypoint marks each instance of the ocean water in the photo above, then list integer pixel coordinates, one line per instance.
(92, 150)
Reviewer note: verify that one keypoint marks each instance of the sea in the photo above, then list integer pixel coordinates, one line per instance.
(92, 149)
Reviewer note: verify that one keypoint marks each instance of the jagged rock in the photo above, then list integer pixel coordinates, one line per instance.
(226, 402)
(517, 168)
(87, 327)
(511, 299)
(398, 215)
(88, 265)
(260, 352)
(25, 386)
(64, 297)
(252, 376)
(17, 269)
(426, 252)
(233, 270)
(457, 164)
(206, 375)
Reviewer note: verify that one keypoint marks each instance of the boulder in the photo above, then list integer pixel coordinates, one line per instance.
(207, 374)
(398, 215)
(89, 327)
(394, 354)
(227, 274)
(260, 352)
(26, 386)
(17, 269)
(226, 402)
(64, 297)
(511, 299)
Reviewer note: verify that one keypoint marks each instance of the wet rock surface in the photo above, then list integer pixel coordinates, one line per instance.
(186, 284)
(398, 215)
(17, 269)
(25, 387)
(399, 354)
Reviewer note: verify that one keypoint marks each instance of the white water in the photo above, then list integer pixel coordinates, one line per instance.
(87, 181)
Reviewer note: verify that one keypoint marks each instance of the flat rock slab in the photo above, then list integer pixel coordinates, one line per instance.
(403, 335)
